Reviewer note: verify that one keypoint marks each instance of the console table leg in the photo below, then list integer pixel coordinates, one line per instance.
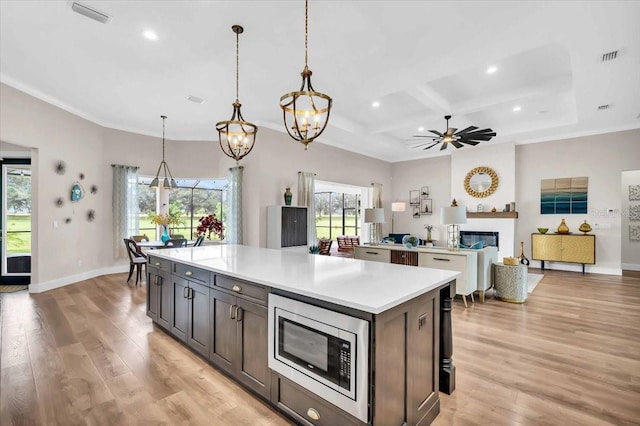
(447, 369)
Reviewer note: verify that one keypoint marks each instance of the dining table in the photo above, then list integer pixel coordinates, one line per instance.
(154, 244)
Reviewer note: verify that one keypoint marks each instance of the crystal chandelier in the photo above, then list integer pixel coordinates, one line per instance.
(236, 135)
(305, 112)
(168, 182)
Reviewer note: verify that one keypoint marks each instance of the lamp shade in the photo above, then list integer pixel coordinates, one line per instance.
(453, 215)
(398, 207)
(374, 215)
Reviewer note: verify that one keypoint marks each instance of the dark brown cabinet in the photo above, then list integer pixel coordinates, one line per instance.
(239, 334)
(286, 226)
(190, 314)
(402, 257)
(159, 292)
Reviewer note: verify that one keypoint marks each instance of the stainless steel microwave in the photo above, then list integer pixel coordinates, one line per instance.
(324, 351)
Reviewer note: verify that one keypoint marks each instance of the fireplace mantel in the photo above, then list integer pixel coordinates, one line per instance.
(492, 215)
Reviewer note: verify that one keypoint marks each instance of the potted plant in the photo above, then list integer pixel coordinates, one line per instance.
(210, 225)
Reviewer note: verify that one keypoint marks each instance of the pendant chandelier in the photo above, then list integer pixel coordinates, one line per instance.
(168, 182)
(305, 112)
(236, 135)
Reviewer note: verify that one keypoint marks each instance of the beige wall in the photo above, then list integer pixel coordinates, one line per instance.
(82, 249)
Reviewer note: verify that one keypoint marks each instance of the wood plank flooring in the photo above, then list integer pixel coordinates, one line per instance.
(87, 354)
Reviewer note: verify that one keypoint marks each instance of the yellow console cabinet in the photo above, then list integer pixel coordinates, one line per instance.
(564, 248)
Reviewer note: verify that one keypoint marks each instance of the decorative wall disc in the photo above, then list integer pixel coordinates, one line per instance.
(91, 215)
(59, 202)
(94, 189)
(60, 167)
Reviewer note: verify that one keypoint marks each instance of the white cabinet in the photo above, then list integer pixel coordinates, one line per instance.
(465, 262)
(370, 253)
(286, 226)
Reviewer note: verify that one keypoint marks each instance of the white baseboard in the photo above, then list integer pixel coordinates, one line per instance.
(72, 279)
(631, 266)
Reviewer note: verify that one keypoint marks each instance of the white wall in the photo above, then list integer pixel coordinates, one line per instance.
(630, 249)
(602, 158)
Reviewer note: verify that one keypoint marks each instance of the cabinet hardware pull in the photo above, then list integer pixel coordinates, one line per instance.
(157, 263)
(232, 311)
(184, 292)
(237, 288)
(191, 293)
(442, 259)
(188, 273)
(239, 313)
(371, 252)
(313, 414)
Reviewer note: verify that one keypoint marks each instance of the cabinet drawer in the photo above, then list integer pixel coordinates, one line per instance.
(305, 407)
(191, 273)
(443, 261)
(375, 254)
(250, 291)
(162, 264)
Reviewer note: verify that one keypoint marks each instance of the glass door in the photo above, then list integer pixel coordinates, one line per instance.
(15, 250)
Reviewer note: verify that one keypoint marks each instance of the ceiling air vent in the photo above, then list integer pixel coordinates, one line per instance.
(90, 12)
(609, 56)
(195, 99)
(603, 107)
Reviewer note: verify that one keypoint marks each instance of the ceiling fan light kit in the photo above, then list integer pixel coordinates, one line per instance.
(472, 135)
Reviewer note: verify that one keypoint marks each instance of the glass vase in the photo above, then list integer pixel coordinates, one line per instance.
(165, 234)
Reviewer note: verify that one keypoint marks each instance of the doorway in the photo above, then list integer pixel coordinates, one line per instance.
(15, 250)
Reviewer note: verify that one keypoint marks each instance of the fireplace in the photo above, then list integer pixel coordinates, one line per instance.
(490, 238)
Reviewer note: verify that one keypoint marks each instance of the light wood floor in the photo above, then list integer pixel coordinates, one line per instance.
(87, 354)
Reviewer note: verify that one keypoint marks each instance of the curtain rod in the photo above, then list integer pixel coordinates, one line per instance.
(124, 165)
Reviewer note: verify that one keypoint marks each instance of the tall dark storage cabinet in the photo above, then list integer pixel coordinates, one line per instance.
(286, 226)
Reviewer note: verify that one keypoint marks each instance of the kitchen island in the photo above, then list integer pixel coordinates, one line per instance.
(215, 298)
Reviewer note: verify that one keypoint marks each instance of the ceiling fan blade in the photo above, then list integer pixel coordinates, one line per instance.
(451, 131)
(467, 130)
(469, 142)
(457, 144)
(423, 136)
(444, 146)
(432, 145)
(436, 132)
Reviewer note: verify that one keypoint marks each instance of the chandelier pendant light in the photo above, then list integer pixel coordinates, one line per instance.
(305, 112)
(236, 135)
(168, 182)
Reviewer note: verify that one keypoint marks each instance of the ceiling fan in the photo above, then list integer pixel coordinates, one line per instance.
(470, 136)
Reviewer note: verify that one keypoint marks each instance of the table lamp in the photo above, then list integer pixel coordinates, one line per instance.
(374, 216)
(396, 207)
(452, 217)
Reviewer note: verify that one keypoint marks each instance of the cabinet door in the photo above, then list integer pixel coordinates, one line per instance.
(403, 257)
(164, 299)
(153, 278)
(223, 341)
(199, 332)
(252, 347)
(179, 308)
(579, 248)
(294, 226)
(546, 247)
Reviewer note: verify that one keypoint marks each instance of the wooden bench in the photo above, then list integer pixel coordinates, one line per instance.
(347, 242)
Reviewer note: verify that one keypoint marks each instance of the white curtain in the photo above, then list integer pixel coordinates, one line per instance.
(234, 206)
(307, 197)
(377, 203)
(126, 221)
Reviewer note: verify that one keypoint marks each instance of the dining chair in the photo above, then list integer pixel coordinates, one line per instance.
(137, 259)
(324, 247)
(199, 241)
(140, 238)
(176, 236)
(176, 242)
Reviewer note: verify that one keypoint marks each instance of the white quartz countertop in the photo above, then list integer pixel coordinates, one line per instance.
(368, 286)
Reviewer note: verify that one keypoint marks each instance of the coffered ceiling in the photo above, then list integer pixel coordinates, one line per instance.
(420, 60)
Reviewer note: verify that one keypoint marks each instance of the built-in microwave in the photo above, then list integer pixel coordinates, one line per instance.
(324, 351)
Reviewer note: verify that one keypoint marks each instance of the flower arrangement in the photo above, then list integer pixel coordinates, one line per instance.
(210, 224)
(166, 219)
(429, 228)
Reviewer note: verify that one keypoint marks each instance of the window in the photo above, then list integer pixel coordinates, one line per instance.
(337, 213)
(194, 198)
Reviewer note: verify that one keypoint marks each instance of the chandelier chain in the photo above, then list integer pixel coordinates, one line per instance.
(237, 64)
(306, 31)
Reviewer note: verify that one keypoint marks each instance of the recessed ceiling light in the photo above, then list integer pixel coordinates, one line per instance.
(516, 108)
(492, 69)
(150, 35)
(375, 104)
(195, 99)
(421, 129)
